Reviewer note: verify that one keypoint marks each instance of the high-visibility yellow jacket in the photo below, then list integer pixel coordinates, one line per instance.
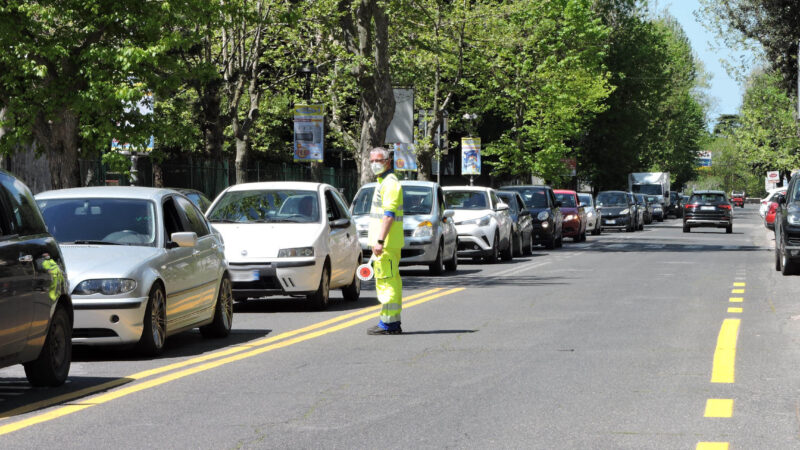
(387, 200)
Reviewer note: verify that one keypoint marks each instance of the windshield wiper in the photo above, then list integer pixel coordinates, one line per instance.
(92, 242)
(223, 221)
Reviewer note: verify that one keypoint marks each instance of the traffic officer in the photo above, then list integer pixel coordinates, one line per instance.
(386, 239)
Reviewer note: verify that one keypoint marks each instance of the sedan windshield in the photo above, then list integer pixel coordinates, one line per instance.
(533, 198)
(567, 200)
(612, 199)
(586, 199)
(363, 201)
(110, 221)
(266, 206)
(466, 200)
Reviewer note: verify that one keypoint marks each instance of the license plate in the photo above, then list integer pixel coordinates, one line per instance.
(611, 222)
(707, 208)
(245, 275)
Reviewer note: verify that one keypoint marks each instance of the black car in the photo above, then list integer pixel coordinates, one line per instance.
(35, 307)
(545, 213)
(617, 210)
(675, 204)
(521, 222)
(708, 209)
(787, 228)
(647, 207)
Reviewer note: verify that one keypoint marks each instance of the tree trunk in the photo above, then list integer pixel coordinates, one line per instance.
(241, 160)
(158, 175)
(58, 139)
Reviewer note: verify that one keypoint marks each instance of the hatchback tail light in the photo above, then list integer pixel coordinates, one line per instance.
(691, 206)
(725, 206)
(773, 207)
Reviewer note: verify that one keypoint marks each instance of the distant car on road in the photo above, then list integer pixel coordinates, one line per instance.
(522, 224)
(483, 222)
(430, 233)
(288, 238)
(36, 314)
(658, 208)
(647, 207)
(708, 209)
(762, 210)
(772, 209)
(737, 198)
(574, 225)
(617, 210)
(143, 264)
(593, 224)
(675, 205)
(787, 228)
(545, 214)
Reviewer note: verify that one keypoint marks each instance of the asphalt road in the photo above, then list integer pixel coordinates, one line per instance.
(619, 342)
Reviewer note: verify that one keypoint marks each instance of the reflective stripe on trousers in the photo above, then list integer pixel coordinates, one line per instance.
(391, 290)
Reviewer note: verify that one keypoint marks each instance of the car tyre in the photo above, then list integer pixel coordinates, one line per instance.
(551, 244)
(729, 229)
(560, 241)
(437, 266)
(154, 332)
(321, 297)
(452, 264)
(777, 257)
(220, 327)
(517, 245)
(495, 255)
(527, 249)
(352, 291)
(52, 366)
(508, 252)
(686, 228)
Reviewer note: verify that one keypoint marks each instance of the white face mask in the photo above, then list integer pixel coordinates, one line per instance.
(377, 168)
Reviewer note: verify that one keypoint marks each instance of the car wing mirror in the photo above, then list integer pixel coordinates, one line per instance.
(340, 223)
(448, 213)
(558, 204)
(781, 200)
(183, 239)
(502, 206)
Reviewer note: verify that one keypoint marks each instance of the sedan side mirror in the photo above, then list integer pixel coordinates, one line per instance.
(448, 213)
(781, 200)
(340, 223)
(502, 206)
(184, 239)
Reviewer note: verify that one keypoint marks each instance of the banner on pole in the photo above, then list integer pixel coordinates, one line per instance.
(405, 157)
(309, 132)
(470, 156)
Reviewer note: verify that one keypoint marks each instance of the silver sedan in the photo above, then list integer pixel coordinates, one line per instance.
(143, 264)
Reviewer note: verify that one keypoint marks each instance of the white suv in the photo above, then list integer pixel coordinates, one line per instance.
(482, 221)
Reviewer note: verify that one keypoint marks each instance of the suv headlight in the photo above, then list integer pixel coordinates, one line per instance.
(625, 211)
(481, 222)
(105, 286)
(544, 215)
(793, 218)
(295, 252)
(423, 230)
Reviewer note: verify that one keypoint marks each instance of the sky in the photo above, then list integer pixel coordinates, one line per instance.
(726, 93)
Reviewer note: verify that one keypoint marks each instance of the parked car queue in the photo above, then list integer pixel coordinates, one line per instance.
(135, 265)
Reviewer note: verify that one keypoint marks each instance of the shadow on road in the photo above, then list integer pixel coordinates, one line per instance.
(18, 397)
(406, 333)
(188, 343)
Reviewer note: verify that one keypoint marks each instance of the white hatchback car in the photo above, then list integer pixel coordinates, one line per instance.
(288, 238)
(482, 221)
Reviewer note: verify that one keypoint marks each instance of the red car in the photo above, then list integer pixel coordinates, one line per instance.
(772, 208)
(737, 198)
(574, 224)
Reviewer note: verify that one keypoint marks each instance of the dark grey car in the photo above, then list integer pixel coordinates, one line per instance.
(522, 224)
(617, 210)
(35, 307)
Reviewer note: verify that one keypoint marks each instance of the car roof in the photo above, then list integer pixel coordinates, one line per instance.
(708, 192)
(430, 184)
(564, 191)
(468, 188)
(107, 192)
(525, 186)
(265, 185)
(506, 193)
(615, 192)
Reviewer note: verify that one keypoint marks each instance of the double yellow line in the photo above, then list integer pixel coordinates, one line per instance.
(210, 361)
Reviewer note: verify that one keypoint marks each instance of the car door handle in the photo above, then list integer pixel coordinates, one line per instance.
(26, 258)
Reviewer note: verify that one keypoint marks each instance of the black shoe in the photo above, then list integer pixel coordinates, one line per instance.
(377, 331)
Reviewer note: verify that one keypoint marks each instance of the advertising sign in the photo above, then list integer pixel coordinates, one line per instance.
(470, 156)
(405, 157)
(704, 159)
(309, 132)
(401, 128)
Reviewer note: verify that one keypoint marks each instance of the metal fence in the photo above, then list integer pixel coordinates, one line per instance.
(211, 177)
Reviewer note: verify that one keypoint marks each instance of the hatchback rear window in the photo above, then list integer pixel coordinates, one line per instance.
(707, 198)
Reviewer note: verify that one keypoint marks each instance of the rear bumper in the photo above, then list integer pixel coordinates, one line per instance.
(707, 222)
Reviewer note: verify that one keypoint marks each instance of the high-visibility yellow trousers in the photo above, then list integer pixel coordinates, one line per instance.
(389, 286)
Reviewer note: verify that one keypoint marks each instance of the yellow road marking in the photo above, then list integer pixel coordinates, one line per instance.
(737, 291)
(725, 353)
(104, 398)
(734, 310)
(736, 299)
(712, 446)
(739, 284)
(719, 407)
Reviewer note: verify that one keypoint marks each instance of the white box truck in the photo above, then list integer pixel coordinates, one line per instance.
(651, 183)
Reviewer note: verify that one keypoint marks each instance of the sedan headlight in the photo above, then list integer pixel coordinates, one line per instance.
(423, 230)
(793, 218)
(544, 215)
(570, 217)
(481, 222)
(105, 286)
(590, 214)
(295, 252)
(625, 211)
